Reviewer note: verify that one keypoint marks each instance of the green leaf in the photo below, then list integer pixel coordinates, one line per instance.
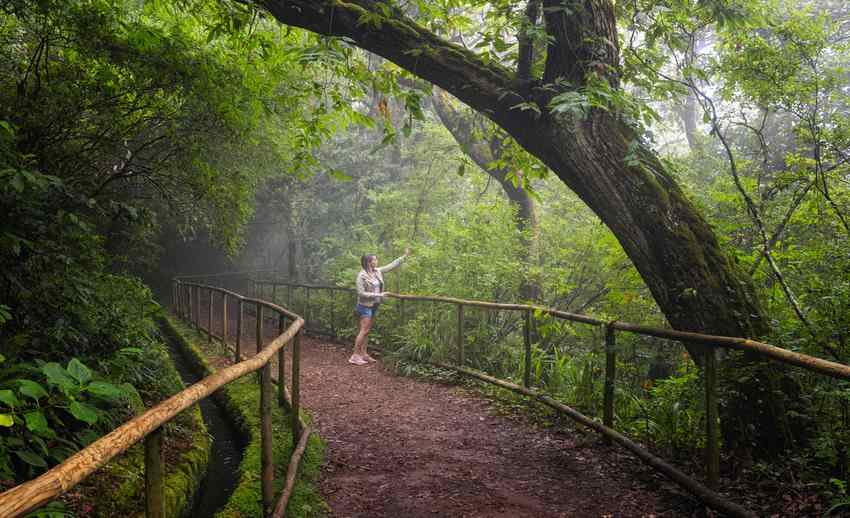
(340, 176)
(31, 458)
(57, 375)
(8, 397)
(79, 371)
(105, 390)
(86, 437)
(36, 422)
(41, 444)
(6, 420)
(31, 389)
(83, 412)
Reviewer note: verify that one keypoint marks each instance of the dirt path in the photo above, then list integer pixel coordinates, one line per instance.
(400, 447)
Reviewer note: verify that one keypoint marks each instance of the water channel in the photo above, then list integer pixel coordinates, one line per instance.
(228, 446)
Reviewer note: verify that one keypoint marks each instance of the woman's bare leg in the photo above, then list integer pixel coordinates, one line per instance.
(365, 343)
(362, 336)
(366, 326)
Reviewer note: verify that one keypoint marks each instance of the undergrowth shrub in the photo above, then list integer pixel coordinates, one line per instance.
(48, 412)
(671, 415)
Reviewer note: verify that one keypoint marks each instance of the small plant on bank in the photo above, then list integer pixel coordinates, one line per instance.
(50, 398)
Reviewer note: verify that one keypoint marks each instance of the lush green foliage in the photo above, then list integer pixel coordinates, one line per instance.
(118, 119)
(58, 399)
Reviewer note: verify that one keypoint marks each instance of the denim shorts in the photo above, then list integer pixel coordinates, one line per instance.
(366, 311)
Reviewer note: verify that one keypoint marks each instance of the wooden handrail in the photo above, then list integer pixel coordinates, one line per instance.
(183, 278)
(33, 494)
(829, 368)
(819, 365)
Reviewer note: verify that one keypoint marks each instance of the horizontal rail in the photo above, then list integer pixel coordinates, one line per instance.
(812, 363)
(311, 286)
(251, 300)
(33, 494)
(502, 306)
(182, 278)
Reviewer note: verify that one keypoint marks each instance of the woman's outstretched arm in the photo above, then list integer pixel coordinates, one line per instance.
(394, 264)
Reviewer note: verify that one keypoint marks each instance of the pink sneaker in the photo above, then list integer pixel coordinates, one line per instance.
(368, 358)
(357, 360)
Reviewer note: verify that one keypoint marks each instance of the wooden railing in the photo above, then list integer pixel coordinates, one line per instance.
(710, 342)
(31, 495)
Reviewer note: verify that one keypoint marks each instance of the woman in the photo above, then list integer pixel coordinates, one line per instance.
(370, 290)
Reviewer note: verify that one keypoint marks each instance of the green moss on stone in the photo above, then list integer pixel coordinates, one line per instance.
(241, 402)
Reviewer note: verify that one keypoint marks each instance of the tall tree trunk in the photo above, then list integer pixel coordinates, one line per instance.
(687, 112)
(696, 285)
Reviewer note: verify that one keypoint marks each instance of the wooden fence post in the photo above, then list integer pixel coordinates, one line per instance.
(266, 456)
(306, 308)
(224, 320)
(460, 340)
(526, 338)
(259, 334)
(198, 308)
(296, 388)
(333, 313)
(289, 297)
(210, 316)
(281, 364)
(610, 376)
(240, 312)
(712, 448)
(177, 298)
(154, 476)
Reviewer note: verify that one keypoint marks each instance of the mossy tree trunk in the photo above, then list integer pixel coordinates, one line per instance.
(696, 285)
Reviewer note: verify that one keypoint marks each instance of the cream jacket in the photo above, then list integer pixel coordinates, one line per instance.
(368, 286)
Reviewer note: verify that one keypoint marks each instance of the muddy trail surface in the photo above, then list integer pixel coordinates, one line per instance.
(403, 447)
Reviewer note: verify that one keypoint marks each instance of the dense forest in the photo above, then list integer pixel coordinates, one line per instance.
(662, 162)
